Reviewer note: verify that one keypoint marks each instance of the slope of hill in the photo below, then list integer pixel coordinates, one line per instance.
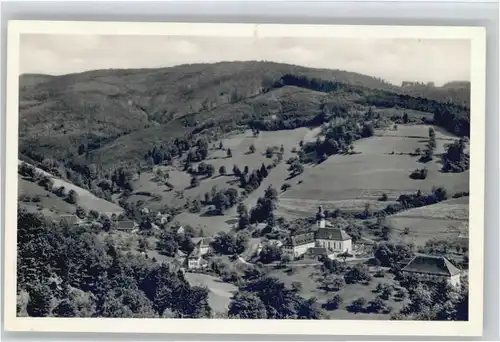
(65, 116)
(86, 199)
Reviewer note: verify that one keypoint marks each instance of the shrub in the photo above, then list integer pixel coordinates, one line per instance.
(357, 305)
(357, 274)
(72, 197)
(376, 305)
(384, 197)
(285, 187)
(333, 303)
(333, 283)
(194, 182)
(419, 174)
(296, 286)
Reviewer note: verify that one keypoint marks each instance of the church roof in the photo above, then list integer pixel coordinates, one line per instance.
(430, 264)
(300, 239)
(335, 234)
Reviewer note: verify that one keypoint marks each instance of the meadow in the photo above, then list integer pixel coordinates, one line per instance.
(86, 199)
(444, 220)
(351, 181)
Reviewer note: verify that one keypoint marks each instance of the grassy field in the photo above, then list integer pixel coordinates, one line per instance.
(50, 204)
(86, 199)
(310, 277)
(444, 220)
(239, 145)
(350, 181)
(346, 182)
(220, 293)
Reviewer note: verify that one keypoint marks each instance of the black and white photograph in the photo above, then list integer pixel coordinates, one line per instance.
(253, 177)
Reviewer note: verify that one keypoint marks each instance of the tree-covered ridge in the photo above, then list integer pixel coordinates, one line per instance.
(67, 271)
(92, 111)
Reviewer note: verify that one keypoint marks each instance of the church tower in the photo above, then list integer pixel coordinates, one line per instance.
(321, 218)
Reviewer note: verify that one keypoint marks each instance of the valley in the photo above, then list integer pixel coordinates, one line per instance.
(198, 178)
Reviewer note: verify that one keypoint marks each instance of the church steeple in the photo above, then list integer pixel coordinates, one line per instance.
(320, 217)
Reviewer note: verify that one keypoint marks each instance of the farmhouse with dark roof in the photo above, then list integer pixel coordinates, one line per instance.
(432, 268)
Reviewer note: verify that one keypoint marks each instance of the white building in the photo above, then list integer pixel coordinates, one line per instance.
(202, 244)
(297, 245)
(432, 268)
(335, 240)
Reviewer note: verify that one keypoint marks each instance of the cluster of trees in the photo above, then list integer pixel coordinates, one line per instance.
(435, 301)
(197, 153)
(389, 254)
(228, 243)
(251, 180)
(203, 169)
(243, 216)
(408, 201)
(170, 242)
(336, 278)
(166, 152)
(66, 271)
(456, 159)
(430, 148)
(222, 199)
(270, 253)
(264, 209)
(268, 297)
(339, 137)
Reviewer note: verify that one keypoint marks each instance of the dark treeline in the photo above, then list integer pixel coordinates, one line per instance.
(453, 117)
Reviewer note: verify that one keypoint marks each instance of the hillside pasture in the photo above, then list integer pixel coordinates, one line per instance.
(51, 204)
(239, 145)
(86, 199)
(344, 180)
(445, 220)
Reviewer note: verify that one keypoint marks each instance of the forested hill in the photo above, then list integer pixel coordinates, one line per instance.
(99, 115)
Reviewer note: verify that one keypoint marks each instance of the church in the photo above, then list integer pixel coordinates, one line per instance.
(330, 241)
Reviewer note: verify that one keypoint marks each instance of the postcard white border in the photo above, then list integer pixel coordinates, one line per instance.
(473, 327)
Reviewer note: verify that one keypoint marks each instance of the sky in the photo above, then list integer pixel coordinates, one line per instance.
(394, 60)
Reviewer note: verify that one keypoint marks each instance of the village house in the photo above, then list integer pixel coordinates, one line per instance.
(126, 225)
(430, 268)
(297, 245)
(195, 259)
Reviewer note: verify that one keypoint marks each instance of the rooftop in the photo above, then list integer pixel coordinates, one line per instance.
(300, 239)
(336, 234)
(430, 264)
(126, 224)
